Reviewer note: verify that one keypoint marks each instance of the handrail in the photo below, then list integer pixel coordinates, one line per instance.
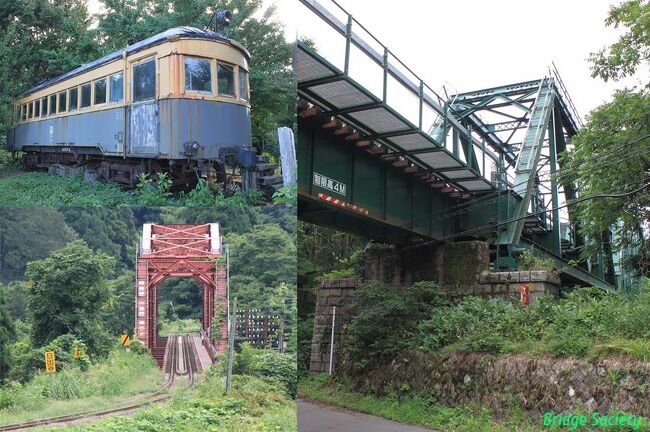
(564, 94)
(390, 67)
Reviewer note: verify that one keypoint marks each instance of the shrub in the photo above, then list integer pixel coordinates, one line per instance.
(588, 322)
(387, 319)
(267, 363)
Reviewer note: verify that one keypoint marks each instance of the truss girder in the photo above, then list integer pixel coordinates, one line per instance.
(528, 159)
(180, 251)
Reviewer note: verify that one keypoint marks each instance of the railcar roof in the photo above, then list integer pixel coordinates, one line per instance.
(186, 32)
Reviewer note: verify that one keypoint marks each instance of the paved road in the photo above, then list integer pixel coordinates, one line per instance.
(318, 417)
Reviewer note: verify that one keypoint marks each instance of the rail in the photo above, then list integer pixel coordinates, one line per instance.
(160, 395)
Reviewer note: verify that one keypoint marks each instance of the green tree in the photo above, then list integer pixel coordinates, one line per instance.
(632, 50)
(185, 294)
(40, 39)
(261, 261)
(16, 297)
(118, 312)
(610, 153)
(6, 336)
(69, 290)
(27, 234)
(111, 230)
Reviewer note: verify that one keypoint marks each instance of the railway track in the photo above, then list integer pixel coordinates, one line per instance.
(179, 361)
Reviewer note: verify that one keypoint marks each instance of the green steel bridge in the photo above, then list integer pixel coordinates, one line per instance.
(383, 155)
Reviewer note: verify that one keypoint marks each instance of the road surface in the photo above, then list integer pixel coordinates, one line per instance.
(319, 417)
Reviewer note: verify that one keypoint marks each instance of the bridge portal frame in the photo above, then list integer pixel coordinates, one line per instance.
(177, 250)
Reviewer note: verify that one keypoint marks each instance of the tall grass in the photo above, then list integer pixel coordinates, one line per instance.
(121, 375)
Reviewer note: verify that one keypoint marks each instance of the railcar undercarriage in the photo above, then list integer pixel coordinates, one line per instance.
(184, 174)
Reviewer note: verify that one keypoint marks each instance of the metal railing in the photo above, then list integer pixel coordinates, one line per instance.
(429, 102)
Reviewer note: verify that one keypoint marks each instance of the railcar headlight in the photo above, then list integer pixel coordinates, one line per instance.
(191, 147)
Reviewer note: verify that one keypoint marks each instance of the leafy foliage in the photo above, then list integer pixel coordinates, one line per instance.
(632, 50)
(269, 364)
(611, 152)
(69, 289)
(589, 322)
(386, 319)
(6, 335)
(120, 374)
(529, 261)
(611, 156)
(262, 260)
(40, 39)
(22, 239)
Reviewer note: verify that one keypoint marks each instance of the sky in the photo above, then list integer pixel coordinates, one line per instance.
(475, 44)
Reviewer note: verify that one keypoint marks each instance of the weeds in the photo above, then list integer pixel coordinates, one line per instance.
(587, 323)
(121, 373)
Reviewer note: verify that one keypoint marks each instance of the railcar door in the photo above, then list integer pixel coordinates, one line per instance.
(143, 112)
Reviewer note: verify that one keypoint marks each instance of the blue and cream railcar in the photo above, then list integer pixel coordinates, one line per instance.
(175, 102)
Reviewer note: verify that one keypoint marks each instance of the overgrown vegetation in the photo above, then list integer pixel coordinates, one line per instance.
(253, 405)
(40, 189)
(587, 323)
(419, 410)
(78, 385)
(81, 272)
(272, 366)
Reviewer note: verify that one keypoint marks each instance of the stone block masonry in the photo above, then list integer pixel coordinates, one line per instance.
(460, 269)
(334, 292)
(537, 385)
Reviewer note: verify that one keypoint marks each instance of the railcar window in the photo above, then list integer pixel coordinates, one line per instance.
(100, 91)
(243, 84)
(74, 98)
(225, 79)
(63, 103)
(30, 113)
(23, 110)
(37, 108)
(85, 96)
(198, 75)
(52, 106)
(116, 92)
(43, 107)
(144, 81)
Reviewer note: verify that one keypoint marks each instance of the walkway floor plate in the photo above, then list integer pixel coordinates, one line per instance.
(341, 94)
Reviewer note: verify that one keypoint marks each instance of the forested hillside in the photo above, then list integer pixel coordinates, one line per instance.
(71, 272)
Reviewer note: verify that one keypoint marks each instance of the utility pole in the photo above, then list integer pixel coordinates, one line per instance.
(231, 345)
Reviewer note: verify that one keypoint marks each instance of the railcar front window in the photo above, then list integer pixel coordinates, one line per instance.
(225, 80)
(116, 91)
(144, 81)
(243, 84)
(85, 95)
(100, 91)
(63, 103)
(37, 108)
(74, 98)
(198, 76)
(52, 107)
(43, 107)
